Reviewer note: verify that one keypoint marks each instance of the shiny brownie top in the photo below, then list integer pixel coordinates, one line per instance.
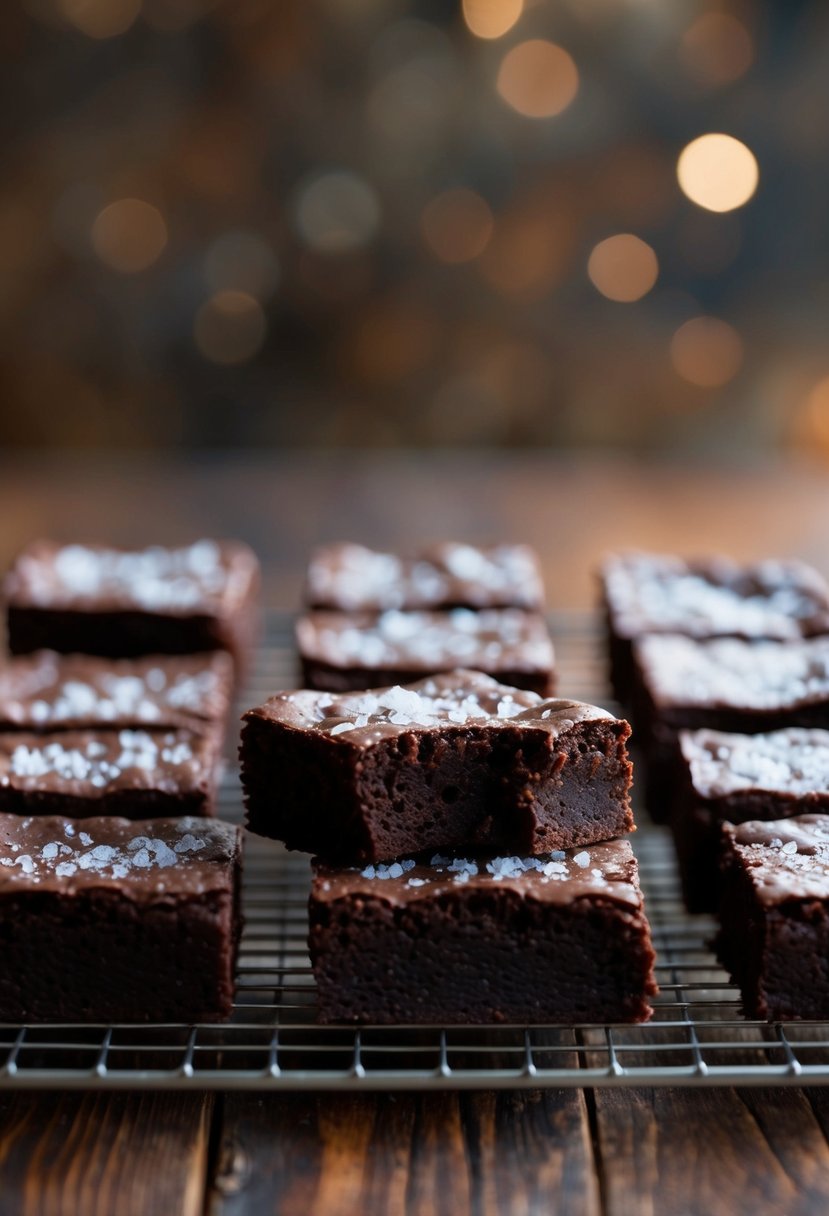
(450, 701)
(715, 597)
(493, 639)
(90, 764)
(353, 578)
(790, 763)
(205, 578)
(156, 859)
(599, 871)
(787, 859)
(48, 691)
(734, 674)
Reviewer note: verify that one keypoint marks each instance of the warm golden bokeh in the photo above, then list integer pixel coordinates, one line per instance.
(129, 235)
(100, 18)
(817, 413)
(457, 225)
(717, 172)
(717, 49)
(230, 327)
(707, 352)
(491, 18)
(538, 79)
(623, 267)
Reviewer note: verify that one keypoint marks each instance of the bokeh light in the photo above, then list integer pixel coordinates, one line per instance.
(230, 327)
(817, 412)
(457, 225)
(100, 18)
(707, 352)
(129, 235)
(623, 267)
(491, 18)
(717, 172)
(717, 49)
(337, 212)
(538, 78)
(241, 261)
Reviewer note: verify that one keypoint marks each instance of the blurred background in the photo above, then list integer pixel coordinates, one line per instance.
(547, 223)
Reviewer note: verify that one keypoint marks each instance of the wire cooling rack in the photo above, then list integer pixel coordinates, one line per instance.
(697, 1036)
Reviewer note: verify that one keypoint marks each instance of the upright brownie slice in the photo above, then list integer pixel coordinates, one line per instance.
(108, 920)
(89, 599)
(50, 691)
(722, 684)
(554, 939)
(711, 597)
(344, 651)
(774, 915)
(352, 578)
(138, 774)
(450, 762)
(738, 778)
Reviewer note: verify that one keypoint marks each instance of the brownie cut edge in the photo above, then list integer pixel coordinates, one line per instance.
(457, 760)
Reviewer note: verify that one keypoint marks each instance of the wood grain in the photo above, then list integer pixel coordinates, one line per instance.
(753, 1152)
(414, 1155)
(103, 1154)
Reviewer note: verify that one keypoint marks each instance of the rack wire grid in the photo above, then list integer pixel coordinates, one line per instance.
(697, 1036)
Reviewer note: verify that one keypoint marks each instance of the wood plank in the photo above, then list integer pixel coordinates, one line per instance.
(419, 1155)
(698, 1152)
(105, 1154)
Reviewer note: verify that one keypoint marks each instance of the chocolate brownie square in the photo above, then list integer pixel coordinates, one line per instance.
(454, 761)
(107, 920)
(562, 938)
(344, 651)
(711, 597)
(137, 774)
(50, 691)
(89, 599)
(352, 578)
(735, 778)
(774, 915)
(723, 684)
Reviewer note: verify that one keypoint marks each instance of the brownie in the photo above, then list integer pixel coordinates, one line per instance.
(774, 915)
(344, 651)
(50, 691)
(138, 774)
(723, 684)
(562, 938)
(352, 578)
(738, 778)
(106, 920)
(454, 761)
(712, 597)
(88, 599)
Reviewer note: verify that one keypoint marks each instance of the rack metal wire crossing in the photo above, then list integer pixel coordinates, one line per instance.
(697, 1037)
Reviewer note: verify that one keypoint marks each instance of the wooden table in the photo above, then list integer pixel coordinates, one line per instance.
(669, 1152)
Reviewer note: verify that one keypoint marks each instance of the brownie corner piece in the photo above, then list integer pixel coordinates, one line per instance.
(343, 651)
(108, 920)
(135, 774)
(774, 915)
(725, 776)
(117, 603)
(454, 761)
(558, 939)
